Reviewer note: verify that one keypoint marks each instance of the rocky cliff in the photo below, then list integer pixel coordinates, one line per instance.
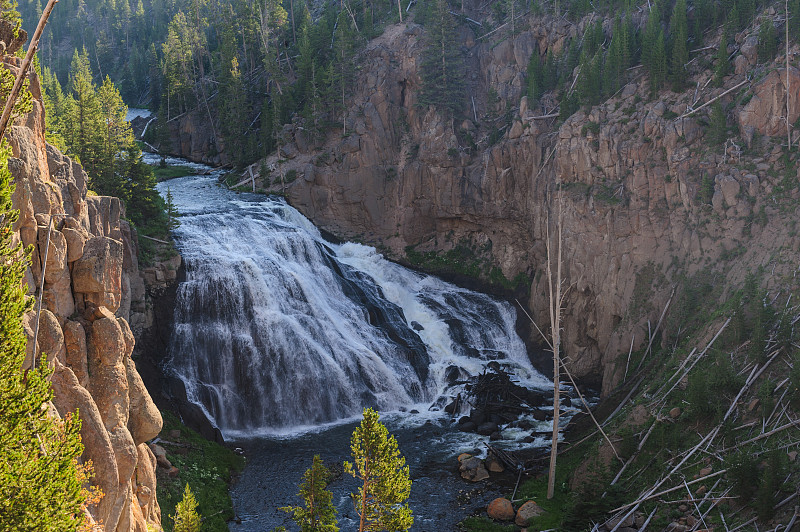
(649, 200)
(92, 291)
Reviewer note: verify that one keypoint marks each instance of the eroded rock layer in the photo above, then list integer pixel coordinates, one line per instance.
(92, 289)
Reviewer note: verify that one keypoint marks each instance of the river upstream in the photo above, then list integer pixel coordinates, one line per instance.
(282, 338)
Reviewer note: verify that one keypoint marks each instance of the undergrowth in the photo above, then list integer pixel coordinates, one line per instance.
(206, 466)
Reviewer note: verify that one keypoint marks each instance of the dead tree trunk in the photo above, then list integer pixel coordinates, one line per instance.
(554, 289)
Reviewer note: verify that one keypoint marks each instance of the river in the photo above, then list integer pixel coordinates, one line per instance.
(283, 337)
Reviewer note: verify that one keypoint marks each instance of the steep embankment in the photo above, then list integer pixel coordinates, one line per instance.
(649, 199)
(92, 292)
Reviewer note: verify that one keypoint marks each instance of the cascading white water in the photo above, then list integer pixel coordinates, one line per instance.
(276, 329)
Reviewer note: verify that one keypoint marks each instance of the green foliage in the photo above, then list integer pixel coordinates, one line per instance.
(714, 377)
(165, 173)
(718, 129)
(318, 514)
(172, 212)
(770, 481)
(442, 64)
(91, 123)
(207, 466)
(679, 34)
(381, 500)
(743, 474)
(767, 42)
(186, 518)
(794, 380)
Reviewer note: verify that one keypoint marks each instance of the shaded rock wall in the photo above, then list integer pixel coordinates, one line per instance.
(635, 222)
(92, 290)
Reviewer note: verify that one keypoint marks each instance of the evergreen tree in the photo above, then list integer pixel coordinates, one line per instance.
(718, 128)
(116, 137)
(186, 518)
(658, 65)
(767, 42)
(41, 482)
(535, 76)
(83, 119)
(652, 30)
(679, 33)
(384, 477)
(442, 64)
(318, 513)
(794, 19)
(172, 212)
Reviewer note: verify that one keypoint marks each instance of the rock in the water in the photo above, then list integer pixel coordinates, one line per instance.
(469, 426)
(486, 429)
(472, 468)
(500, 509)
(494, 465)
(526, 512)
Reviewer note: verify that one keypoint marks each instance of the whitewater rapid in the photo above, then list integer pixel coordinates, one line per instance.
(277, 330)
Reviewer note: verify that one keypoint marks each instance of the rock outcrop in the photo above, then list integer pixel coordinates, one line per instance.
(636, 215)
(91, 290)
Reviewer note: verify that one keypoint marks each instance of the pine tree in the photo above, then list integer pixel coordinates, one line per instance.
(535, 76)
(679, 34)
(651, 32)
(385, 482)
(718, 128)
(722, 65)
(442, 64)
(172, 212)
(116, 137)
(186, 518)
(83, 118)
(318, 514)
(767, 42)
(658, 65)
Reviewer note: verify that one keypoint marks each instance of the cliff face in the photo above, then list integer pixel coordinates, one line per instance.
(92, 291)
(636, 220)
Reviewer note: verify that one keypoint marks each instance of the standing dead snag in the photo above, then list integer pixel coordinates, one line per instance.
(554, 307)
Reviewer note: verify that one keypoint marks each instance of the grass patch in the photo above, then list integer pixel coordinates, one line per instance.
(164, 173)
(207, 467)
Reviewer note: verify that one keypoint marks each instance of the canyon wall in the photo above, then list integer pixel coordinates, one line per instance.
(92, 291)
(636, 220)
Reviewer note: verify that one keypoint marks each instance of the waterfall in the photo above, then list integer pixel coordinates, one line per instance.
(277, 329)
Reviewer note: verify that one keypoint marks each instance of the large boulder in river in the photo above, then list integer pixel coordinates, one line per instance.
(472, 468)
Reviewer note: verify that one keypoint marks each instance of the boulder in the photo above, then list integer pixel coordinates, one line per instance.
(487, 428)
(526, 512)
(160, 455)
(76, 240)
(473, 469)
(501, 509)
(97, 275)
(675, 413)
(51, 338)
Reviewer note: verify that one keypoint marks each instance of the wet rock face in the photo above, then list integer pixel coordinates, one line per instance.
(92, 288)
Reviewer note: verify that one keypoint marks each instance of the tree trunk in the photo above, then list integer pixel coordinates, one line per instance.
(554, 289)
